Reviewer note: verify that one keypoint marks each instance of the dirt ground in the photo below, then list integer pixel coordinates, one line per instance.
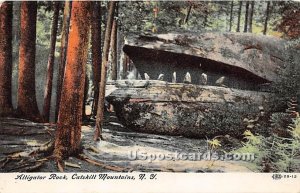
(110, 155)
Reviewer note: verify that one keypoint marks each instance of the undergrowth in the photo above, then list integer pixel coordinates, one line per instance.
(278, 152)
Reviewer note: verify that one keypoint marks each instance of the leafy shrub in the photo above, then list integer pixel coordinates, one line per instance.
(275, 153)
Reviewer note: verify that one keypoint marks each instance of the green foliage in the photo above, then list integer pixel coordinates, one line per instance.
(43, 27)
(138, 16)
(214, 143)
(296, 130)
(289, 23)
(274, 153)
(288, 86)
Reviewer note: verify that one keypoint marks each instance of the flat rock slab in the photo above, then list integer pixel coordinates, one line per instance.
(260, 55)
(119, 144)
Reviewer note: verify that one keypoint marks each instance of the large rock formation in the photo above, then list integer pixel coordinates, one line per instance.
(189, 110)
(246, 60)
(236, 68)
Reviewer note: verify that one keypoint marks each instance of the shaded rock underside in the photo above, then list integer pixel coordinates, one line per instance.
(258, 57)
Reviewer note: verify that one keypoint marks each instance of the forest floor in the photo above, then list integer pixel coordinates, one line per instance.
(25, 147)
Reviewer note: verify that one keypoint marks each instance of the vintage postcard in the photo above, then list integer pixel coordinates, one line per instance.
(149, 96)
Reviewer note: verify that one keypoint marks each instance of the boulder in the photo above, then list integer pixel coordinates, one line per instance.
(228, 76)
(189, 110)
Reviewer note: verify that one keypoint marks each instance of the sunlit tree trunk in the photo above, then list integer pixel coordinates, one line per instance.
(27, 105)
(267, 18)
(246, 17)
(100, 107)
(114, 64)
(231, 16)
(49, 80)
(96, 51)
(63, 51)
(68, 132)
(239, 16)
(5, 58)
(251, 16)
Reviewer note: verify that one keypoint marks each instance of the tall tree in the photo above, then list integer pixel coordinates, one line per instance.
(251, 16)
(49, 80)
(239, 16)
(68, 133)
(231, 16)
(27, 105)
(96, 51)
(205, 21)
(5, 58)
(16, 21)
(125, 63)
(63, 52)
(120, 44)
(246, 17)
(267, 18)
(114, 64)
(186, 19)
(100, 107)
(85, 96)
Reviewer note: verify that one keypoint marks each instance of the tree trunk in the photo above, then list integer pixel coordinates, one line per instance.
(96, 52)
(186, 19)
(205, 19)
(85, 96)
(16, 21)
(125, 66)
(251, 16)
(68, 133)
(63, 51)
(27, 105)
(100, 107)
(5, 59)
(267, 18)
(48, 87)
(239, 17)
(231, 16)
(246, 17)
(114, 64)
(120, 44)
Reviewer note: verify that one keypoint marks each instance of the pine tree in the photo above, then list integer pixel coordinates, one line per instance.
(251, 16)
(231, 16)
(239, 17)
(100, 107)
(96, 51)
(267, 18)
(49, 80)
(68, 133)
(27, 105)
(246, 17)
(63, 52)
(5, 59)
(114, 64)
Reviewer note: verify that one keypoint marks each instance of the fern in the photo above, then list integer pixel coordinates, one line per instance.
(275, 153)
